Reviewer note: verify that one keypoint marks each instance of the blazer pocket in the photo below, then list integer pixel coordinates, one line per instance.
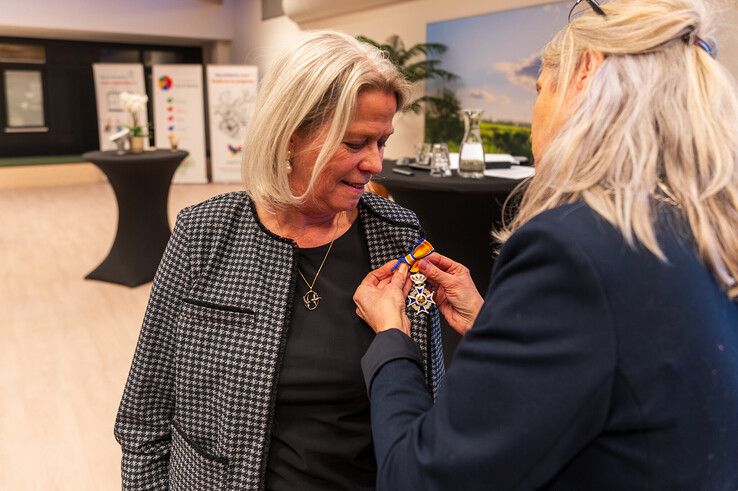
(209, 359)
(208, 336)
(192, 468)
(215, 307)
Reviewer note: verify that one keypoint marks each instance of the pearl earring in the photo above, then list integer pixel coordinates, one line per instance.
(288, 164)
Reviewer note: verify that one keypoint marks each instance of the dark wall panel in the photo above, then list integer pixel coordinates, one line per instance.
(69, 95)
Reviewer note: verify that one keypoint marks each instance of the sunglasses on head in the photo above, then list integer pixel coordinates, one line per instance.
(709, 44)
(581, 6)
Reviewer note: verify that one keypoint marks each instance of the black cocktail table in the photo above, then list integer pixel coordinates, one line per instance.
(141, 184)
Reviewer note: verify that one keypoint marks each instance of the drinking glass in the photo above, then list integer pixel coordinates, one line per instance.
(440, 164)
(423, 153)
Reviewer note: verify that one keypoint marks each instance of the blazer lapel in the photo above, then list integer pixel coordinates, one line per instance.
(391, 234)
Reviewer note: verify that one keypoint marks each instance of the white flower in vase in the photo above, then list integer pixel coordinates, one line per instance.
(135, 105)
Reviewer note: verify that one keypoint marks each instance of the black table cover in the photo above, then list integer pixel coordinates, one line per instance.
(457, 214)
(141, 184)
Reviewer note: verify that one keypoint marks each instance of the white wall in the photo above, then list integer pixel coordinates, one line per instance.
(727, 25)
(257, 42)
(165, 21)
(310, 10)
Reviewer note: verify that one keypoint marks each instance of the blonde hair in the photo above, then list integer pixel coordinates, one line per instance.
(658, 120)
(315, 81)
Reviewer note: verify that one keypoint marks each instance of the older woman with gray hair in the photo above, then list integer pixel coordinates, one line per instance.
(246, 374)
(605, 356)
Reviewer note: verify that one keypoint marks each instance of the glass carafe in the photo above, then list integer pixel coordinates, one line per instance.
(471, 151)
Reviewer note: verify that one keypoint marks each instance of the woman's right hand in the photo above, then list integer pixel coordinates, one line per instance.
(456, 296)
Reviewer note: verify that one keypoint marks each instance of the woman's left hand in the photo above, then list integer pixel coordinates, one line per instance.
(380, 299)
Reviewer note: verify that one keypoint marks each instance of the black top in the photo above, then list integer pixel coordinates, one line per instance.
(321, 438)
(592, 365)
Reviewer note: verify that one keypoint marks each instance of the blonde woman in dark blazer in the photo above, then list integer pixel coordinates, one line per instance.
(246, 374)
(605, 356)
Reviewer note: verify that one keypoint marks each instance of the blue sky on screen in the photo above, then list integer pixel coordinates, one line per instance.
(497, 57)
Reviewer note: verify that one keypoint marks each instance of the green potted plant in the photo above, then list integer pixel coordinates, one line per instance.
(414, 69)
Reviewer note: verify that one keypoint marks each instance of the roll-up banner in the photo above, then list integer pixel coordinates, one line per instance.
(110, 80)
(231, 102)
(179, 117)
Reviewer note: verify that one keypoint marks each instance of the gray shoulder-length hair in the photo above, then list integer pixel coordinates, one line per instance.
(314, 81)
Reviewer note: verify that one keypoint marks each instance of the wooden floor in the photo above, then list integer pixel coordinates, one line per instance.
(65, 343)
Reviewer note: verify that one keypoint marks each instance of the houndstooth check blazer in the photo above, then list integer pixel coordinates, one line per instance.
(198, 405)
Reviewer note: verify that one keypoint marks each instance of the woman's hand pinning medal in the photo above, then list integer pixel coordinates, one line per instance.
(380, 299)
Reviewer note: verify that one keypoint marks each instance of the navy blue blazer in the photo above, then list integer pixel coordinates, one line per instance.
(591, 366)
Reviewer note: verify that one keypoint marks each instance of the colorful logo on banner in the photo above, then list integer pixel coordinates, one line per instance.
(165, 82)
(234, 150)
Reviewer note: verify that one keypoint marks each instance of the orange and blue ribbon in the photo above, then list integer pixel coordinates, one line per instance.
(422, 249)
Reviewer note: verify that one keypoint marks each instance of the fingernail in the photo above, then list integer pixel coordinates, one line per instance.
(403, 268)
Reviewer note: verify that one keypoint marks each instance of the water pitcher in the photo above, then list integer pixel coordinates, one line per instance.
(471, 152)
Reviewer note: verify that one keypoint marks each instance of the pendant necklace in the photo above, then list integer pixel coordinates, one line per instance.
(311, 299)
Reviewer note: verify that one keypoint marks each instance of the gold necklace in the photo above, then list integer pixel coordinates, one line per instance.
(311, 299)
